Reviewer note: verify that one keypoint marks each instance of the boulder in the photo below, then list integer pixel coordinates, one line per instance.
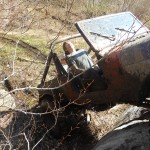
(6, 100)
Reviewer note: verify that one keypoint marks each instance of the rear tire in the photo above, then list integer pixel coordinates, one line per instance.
(46, 102)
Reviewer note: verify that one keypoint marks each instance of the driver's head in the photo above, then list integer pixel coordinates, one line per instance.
(68, 47)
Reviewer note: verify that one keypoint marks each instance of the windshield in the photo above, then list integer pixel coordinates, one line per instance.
(107, 31)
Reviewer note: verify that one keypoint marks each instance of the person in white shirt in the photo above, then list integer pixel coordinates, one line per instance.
(77, 59)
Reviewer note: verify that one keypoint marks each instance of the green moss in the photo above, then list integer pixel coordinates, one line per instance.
(37, 42)
(31, 102)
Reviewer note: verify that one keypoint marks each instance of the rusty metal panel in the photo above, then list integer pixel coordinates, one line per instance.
(135, 58)
(107, 31)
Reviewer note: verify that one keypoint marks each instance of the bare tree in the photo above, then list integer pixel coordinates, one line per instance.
(27, 28)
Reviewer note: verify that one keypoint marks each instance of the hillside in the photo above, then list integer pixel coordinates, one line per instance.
(27, 29)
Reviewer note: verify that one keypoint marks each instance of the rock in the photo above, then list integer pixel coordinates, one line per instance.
(131, 113)
(5, 120)
(6, 101)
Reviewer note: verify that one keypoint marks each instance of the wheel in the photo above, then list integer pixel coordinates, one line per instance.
(46, 102)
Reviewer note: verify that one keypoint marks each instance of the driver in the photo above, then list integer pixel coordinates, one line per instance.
(78, 60)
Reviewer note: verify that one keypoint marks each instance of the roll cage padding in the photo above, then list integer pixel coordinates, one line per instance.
(59, 67)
